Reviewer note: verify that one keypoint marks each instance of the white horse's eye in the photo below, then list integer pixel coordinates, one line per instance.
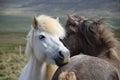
(41, 37)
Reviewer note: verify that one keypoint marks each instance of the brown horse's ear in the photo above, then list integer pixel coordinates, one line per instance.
(73, 22)
(35, 23)
(70, 18)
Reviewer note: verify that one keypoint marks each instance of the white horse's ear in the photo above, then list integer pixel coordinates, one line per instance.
(57, 19)
(35, 23)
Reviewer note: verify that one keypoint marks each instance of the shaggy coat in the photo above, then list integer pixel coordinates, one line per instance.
(83, 67)
(91, 37)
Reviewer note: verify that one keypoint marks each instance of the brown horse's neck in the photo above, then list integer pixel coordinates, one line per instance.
(110, 54)
(112, 57)
(99, 49)
(50, 70)
(102, 52)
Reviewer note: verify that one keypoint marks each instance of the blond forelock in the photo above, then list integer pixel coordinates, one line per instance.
(50, 25)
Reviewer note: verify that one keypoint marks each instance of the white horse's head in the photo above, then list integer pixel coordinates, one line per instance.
(44, 41)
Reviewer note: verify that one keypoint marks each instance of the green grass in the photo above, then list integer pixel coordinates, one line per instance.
(10, 41)
(117, 33)
(115, 22)
(11, 62)
(15, 23)
(11, 65)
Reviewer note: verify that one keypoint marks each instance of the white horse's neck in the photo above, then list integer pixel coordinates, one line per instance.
(34, 70)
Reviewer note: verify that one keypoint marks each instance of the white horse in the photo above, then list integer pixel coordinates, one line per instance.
(44, 48)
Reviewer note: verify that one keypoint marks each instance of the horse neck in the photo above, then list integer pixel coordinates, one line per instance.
(33, 70)
(102, 52)
(111, 54)
(50, 70)
(94, 50)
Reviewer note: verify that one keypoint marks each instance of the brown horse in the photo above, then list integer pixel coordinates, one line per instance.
(83, 67)
(94, 38)
(91, 37)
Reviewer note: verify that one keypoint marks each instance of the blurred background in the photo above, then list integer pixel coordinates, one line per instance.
(16, 17)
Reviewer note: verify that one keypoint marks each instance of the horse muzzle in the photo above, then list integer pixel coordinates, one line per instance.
(62, 58)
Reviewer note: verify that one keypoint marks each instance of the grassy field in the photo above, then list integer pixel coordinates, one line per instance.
(10, 41)
(11, 61)
(14, 23)
(11, 65)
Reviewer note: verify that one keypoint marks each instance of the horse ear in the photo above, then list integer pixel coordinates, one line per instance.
(70, 18)
(73, 22)
(35, 23)
(57, 19)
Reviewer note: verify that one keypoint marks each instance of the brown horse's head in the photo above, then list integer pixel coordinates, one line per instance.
(91, 37)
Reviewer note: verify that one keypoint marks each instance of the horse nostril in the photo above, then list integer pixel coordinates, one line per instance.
(60, 54)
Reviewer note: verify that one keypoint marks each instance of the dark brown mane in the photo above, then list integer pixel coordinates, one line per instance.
(98, 34)
(95, 36)
(89, 30)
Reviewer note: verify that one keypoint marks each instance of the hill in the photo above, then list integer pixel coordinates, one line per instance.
(16, 15)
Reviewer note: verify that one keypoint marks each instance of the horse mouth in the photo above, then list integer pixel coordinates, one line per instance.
(61, 62)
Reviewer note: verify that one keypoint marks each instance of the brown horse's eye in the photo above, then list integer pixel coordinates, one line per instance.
(41, 37)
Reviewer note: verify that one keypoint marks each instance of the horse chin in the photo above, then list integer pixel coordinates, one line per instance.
(59, 63)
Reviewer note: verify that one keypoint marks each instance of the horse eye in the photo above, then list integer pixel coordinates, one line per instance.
(60, 39)
(41, 37)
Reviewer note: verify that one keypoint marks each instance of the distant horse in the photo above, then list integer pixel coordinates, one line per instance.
(83, 67)
(44, 48)
(91, 37)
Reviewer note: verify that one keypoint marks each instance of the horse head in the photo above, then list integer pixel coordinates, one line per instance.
(45, 41)
(88, 36)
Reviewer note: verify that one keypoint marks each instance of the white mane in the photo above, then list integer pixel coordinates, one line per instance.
(50, 25)
(28, 50)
